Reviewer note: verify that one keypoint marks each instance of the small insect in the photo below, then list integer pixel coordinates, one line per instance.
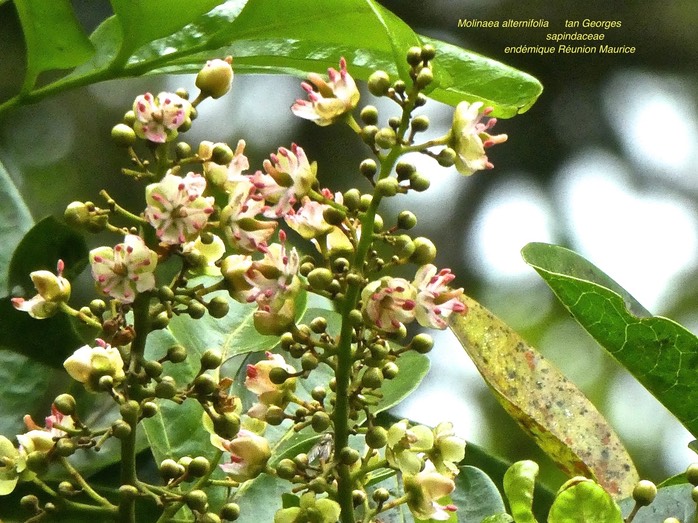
(322, 450)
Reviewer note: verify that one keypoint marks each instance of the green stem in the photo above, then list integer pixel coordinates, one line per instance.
(87, 489)
(74, 506)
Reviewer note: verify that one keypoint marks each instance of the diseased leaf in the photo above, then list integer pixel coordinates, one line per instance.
(519, 483)
(54, 37)
(659, 352)
(584, 502)
(562, 421)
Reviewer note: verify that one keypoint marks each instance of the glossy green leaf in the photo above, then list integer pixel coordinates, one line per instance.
(562, 421)
(519, 484)
(659, 352)
(498, 518)
(143, 21)
(53, 35)
(15, 221)
(584, 502)
(672, 501)
(476, 496)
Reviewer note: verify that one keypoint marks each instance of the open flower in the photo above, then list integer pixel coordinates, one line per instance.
(328, 100)
(52, 290)
(405, 445)
(435, 300)
(469, 138)
(249, 453)
(268, 393)
(13, 465)
(88, 364)
(125, 270)
(239, 218)
(323, 510)
(448, 450)
(424, 489)
(176, 207)
(158, 118)
(43, 439)
(389, 303)
(308, 221)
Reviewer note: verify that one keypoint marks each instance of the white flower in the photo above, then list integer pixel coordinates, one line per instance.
(424, 489)
(125, 270)
(52, 291)
(88, 364)
(389, 303)
(176, 207)
(435, 300)
(157, 119)
(469, 137)
(238, 219)
(308, 221)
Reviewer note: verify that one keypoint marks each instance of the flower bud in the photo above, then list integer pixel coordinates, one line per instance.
(120, 429)
(149, 409)
(420, 123)
(369, 115)
(170, 469)
(123, 135)
(379, 83)
(211, 359)
(274, 415)
(230, 511)
(428, 52)
(216, 77)
(422, 343)
(381, 495)
(414, 56)
(183, 150)
(65, 447)
(692, 474)
(368, 168)
(406, 220)
(320, 278)
(424, 252)
(65, 404)
(320, 421)
(286, 469)
(386, 138)
(424, 77)
(387, 187)
(227, 425)
(196, 500)
(352, 197)
(199, 466)
(177, 354)
(222, 154)
(333, 216)
(372, 378)
(196, 310)
(376, 437)
(205, 385)
(446, 157)
(419, 182)
(644, 492)
(166, 389)
(218, 307)
(390, 370)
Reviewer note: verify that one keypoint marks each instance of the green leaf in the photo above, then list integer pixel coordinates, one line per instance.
(585, 502)
(54, 37)
(476, 496)
(143, 21)
(673, 501)
(15, 221)
(519, 484)
(660, 353)
(544, 402)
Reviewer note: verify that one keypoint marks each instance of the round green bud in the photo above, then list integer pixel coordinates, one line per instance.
(211, 359)
(286, 469)
(404, 246)
(50, 507)
(199, 466)
(152, 368)
(424, 251)
(368, 134)
(182, 150)
(29, 503)
(420, 100)
(309, 361)
(196, 500)
(65, 404)
(105, 382)
(37, 462)
(372, 378)
(215, 78)
(302, 333)
(186, 125)
(644, 492)
(128, 491)
(166, 389)
(333, 215)
(694, 494)
(184, 461)
(165, 293)
(318, 325)
(356, 319)
(394, 122)
(379, 351)
(65, 447)
(278, 375)
(182, 93)
(390, 370)
(333, 384)
(320, 278)
(286, 340)
(149, 409)
(320, 421)
(230, 511)
(368, 168)
(387, 187)
(161, 321)
(222, 153)
(424, 78)
(422, 343)
(376, 437)
(365, 202)
(218, 307)
(446, 157)
(349, 456)
(414, 56)
(274, 415)
(196, 310)
(358, 497)
(692, 474)
(420, 123)
(120, 429)
(428, 52)
(205, 385)
(227, 425)
(98, 307)
(369, 115)
(123, 135)
(177, 354)
(381, 495)
(301, 413)
(352, 199)
(419, 182)
(306, 267)
(399, 87)
(301, 460)
(129, 118)
(404, 170)
(318, 485)
(170, 469)
(318, 393)
(386, 138)
(379, 83)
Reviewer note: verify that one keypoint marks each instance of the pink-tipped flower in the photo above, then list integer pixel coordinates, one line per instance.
(239, 218)
(43, 439)
(328, 100)
(268, 393)
(125, 270)
(469, 138)
(436, 301)
(51, 289)
(249, 453)
(158, 118)
(308, 220)
(424, 489)
(389, 303)
(176, 208)
(88, 364)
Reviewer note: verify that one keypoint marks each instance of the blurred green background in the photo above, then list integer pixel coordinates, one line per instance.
(604, 162)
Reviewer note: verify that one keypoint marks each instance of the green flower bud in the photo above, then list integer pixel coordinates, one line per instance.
(183, 150)
(420, 123)
(309, 361)
(152, 368)
(368, 134)
(414, 56)
(230, 511)
(196, 500)
(320, 421)
(446, 157)
(387, 187)
(227, 425)
(369, 115)
(428, 52)
(692, 474)
(365, 201)
(372, 379)
(65, 447)
(394, 122)
(318, 325)
(182, 93)
(274, 415)
(424, 251)
(386, 138)
(87, 216)
(222, 154)
(105, 382)
(120, 429)
(177, 354)
(165, 293)
(98, 307)
(368, 168)
(123, 135)
(166, 389)
(404, 246)
(381, 495)
(376, 437)
(30, 503)
(196, 310)
(129, 118)
(349, 456)
(318, 485)
(37, 461)
(358, 497)
(352, 199)
(65, 404)
(390, 370)
(419, 182)
(199, 466)
(399, 87)
(170, 469)
(128, 491)
(205, 385)
(209, 517)
(333, 216)
(424, 78)
(422, 343)
(149, 409)
(320, 278)
(318, 393)
(644, 492)
(215, 78)
(218, 307)
(278, 375)
(379, 83)
(404, 170)
(161, 321)
(211, 359)
(420, 100)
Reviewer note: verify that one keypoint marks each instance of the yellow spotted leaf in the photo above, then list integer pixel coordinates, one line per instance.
(550, 408)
